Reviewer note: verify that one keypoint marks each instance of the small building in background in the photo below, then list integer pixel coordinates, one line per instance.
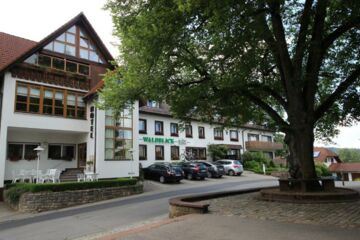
(325, 156)
(346, 171)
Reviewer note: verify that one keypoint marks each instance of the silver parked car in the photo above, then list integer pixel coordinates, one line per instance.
(232, 167)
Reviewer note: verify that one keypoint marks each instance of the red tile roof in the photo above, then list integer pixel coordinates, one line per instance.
(12, 47)
(345, 167)
(324, 153)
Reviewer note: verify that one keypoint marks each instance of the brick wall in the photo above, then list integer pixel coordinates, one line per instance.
(45, 201)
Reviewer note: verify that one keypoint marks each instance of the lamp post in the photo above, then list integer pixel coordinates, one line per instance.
(38, 150)
(131, 151)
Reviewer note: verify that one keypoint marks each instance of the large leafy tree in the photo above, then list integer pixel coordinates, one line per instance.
(293, 65)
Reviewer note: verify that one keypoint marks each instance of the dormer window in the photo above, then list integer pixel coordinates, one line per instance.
(75, 42)
(153, 104)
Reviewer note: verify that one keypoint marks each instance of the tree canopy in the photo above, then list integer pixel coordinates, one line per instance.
(349, 154)
(292, 65)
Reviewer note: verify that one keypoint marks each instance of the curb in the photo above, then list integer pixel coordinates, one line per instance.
(191, 204)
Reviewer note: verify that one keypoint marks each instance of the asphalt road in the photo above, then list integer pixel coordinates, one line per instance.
(118, 214)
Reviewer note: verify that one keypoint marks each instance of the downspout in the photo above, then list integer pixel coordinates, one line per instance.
(243, 140)
(95, 125)
(1, 96)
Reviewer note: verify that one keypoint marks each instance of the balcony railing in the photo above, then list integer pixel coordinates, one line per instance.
(262, 146)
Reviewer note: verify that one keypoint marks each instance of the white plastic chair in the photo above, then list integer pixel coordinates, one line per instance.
(54, 175)
(25, 175)
(80, 177)
(15, 176)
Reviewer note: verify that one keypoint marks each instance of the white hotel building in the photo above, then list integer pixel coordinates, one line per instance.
(47, 95)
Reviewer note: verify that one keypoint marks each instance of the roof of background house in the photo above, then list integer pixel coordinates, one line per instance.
(12, 47)
(324, 153)
(344, 167)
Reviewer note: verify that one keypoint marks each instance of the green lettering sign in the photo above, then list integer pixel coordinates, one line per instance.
(158, 140)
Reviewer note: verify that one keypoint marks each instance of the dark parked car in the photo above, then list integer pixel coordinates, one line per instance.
(214, 171)
(193, 170)
(163, 172)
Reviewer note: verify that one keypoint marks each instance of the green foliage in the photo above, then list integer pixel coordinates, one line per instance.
(15, 190)
(322, 170)
(349, 154)
(279, 138)
(258, 157)
(217, 151)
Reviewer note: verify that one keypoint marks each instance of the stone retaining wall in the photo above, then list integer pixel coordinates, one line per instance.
(45, 201)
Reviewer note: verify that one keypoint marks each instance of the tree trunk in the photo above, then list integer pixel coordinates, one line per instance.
(300, 141)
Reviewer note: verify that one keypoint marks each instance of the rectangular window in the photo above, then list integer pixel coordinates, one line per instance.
(84, 69)
(153, 104)
(174, 129)
(188, 131)
(159, 128)
(36, 99)
(159, 152)
(61, 152)
(142, 152)
(44, 60)
(201, 132)
(54, 152)
(197, 153)
(142, 126)
(20, 151)
(253, 137)
(118, 136)
(58, 63)
(266, 138)
(218, 134)
(234, 135)
(71, 67)
(68, 152)
(175, 153)
(30, 153)
(15, 152)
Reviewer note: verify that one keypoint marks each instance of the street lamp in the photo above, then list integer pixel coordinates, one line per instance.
(131, 151)
(38, 150)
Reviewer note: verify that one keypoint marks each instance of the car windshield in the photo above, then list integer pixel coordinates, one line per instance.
(237, 162)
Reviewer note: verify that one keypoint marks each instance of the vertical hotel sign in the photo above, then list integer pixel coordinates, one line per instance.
(158, 140)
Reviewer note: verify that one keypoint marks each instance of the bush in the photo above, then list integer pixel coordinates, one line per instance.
(217, 151)
(256, 156)
(15, 190)
(322, 170)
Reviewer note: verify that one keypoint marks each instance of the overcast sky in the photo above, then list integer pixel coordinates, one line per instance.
(35, 19)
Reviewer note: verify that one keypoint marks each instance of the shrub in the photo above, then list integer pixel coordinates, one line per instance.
(322, 170)
(217, 151)
(258, 157)
(15, 190)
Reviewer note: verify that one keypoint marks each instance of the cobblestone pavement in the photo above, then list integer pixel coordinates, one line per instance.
(344, 215)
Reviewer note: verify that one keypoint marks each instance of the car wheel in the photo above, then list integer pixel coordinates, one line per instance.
(239, 174)
(220, 176)
(202, 178)
(178, 181)
(189, 176)
(162, 179)
(209, 175)
(231, 173)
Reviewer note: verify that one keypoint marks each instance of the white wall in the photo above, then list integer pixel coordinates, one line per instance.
(195, 141)
(32, 123)
(116, 168)
(43, 138)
